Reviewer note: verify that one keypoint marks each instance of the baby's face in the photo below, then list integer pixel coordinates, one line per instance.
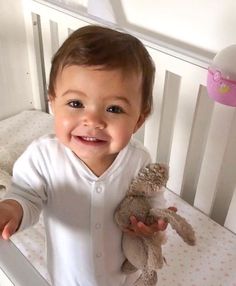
(96, 112)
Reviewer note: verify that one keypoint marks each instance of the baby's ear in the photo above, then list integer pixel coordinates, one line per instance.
(51, 100)
(140, 122)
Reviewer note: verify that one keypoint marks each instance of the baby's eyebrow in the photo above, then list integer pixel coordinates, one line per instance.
(74, 91)
(122, 98)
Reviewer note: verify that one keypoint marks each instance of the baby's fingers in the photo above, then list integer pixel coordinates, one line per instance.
(174, 209)
(9, 229)
(133, 221)
(144, 229)
(139, 227)
(161, 225)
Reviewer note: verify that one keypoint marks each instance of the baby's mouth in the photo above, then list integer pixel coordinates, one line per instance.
(89, 139)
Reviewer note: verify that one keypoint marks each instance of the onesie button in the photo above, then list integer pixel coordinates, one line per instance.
(99, 190)
(98, 225)
(98, 254)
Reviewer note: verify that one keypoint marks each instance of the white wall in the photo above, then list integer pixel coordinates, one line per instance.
(205, 24)
(202, 26)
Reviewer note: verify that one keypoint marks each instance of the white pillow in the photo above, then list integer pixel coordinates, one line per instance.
(16, 133)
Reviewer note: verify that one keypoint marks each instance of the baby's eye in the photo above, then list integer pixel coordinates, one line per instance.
(115, 109)
(75, 104)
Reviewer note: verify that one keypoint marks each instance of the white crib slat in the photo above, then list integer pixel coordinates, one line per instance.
(152, 124)
(230, 221)
(214, 153)
(182, 132)
(38, 102)
(226, 181)
(197, 145)
(170, 100)
(47, 45)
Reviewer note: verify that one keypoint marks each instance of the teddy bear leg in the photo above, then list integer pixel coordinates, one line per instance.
(127, 267)
(147, 278)
(155, 258)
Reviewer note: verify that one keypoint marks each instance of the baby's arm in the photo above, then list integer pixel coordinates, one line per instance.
(22, 204)
(11, 213)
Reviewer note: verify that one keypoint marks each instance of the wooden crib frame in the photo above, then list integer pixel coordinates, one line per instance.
(187, 130)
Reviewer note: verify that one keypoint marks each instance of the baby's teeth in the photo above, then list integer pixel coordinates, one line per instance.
(89, 138)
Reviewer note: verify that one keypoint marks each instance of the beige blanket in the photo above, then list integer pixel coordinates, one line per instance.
(16, 133)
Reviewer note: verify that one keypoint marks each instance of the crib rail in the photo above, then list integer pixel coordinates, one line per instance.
(193, 135)
(18, 271)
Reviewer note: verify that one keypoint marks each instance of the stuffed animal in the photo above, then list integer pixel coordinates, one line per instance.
(145, 253)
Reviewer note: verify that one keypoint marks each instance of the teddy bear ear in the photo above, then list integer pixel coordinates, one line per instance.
(150, 179)
(157, 174)
(144, 188)
(160, 169)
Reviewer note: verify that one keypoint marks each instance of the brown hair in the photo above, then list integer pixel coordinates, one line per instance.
(99, 46)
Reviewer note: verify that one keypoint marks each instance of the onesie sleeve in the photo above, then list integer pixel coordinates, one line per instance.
(28, 186)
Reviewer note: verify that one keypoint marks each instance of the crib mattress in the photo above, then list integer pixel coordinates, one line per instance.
(212, 262)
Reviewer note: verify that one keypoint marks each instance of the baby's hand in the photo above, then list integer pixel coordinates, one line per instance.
(138, 228)
(11, 214)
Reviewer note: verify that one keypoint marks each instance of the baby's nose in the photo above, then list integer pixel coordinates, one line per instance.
(94, 120)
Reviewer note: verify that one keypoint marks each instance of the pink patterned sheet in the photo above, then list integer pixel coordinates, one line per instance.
(16, 133)
(31, 243)
(212, 262)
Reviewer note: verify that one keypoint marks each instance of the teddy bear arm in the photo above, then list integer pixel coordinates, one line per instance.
(178, 223)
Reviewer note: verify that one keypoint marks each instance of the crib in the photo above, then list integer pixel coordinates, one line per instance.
(186, 130)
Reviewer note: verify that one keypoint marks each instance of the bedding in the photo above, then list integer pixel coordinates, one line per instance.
(211, 262)
(16, 133)
(31, 243)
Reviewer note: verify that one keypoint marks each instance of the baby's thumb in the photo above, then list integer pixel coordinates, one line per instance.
(9, 229)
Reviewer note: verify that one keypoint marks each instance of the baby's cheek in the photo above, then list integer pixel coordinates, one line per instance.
(62, 128)
(64, 123)
(122, 139)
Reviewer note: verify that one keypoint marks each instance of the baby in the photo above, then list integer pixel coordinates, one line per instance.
(100, 92)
